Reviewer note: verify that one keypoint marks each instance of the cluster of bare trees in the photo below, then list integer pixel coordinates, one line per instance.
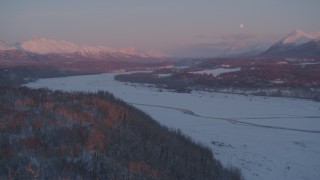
(227, 83)
(53, 134)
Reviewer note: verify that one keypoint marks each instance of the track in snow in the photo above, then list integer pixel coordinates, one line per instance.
(235, 121)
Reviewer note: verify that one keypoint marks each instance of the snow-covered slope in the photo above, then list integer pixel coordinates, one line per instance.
(297, 44)
(47, 46)
(298, 37)
(277, 139)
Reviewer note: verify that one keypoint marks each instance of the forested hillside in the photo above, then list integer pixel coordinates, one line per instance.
(55, 135)
(14, 76)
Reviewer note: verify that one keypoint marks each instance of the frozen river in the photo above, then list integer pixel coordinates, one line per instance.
(267, 138)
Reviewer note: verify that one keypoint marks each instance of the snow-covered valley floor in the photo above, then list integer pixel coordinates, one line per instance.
(267, 138)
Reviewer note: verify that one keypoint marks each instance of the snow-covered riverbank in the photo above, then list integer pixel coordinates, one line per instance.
(267, 138)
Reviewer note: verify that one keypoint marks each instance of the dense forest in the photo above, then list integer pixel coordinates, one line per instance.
(13, 76)
(58, 135)
(18, 67)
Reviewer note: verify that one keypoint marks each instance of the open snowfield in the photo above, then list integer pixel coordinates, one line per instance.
(218, 71)
(267, 138)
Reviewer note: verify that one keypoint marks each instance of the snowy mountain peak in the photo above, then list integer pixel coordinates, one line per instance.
(298, 37)
(297, 44)
(45, 46)
(41, 45)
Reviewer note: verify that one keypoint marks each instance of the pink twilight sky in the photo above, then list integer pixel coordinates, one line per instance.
(167, 25)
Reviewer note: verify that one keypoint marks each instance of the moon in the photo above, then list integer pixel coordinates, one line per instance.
(241, 26)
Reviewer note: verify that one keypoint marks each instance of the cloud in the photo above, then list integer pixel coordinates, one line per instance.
(272, 37)
(219, 45)
(211, 49)
(200, 36)
(224, 45)
(238, 37)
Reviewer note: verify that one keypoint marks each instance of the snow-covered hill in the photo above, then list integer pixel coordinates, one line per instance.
(49, 46)
(297, 44)
(298, 37)
(46, 46)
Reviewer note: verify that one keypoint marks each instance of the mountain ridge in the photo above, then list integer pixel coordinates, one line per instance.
(298, 37)
(45, 46)
(297, 44)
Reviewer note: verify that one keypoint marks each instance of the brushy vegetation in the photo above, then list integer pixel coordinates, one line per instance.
(261, 77)
(55, 135)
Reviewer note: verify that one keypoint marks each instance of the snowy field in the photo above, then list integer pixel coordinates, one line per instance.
(218, 71)
(267, 138)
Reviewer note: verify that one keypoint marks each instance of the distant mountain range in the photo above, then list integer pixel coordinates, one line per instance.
(44, 46)
(297, 44)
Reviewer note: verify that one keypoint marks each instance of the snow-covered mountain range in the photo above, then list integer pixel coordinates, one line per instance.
(298, 37)
(297, 44)
(49, 46)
